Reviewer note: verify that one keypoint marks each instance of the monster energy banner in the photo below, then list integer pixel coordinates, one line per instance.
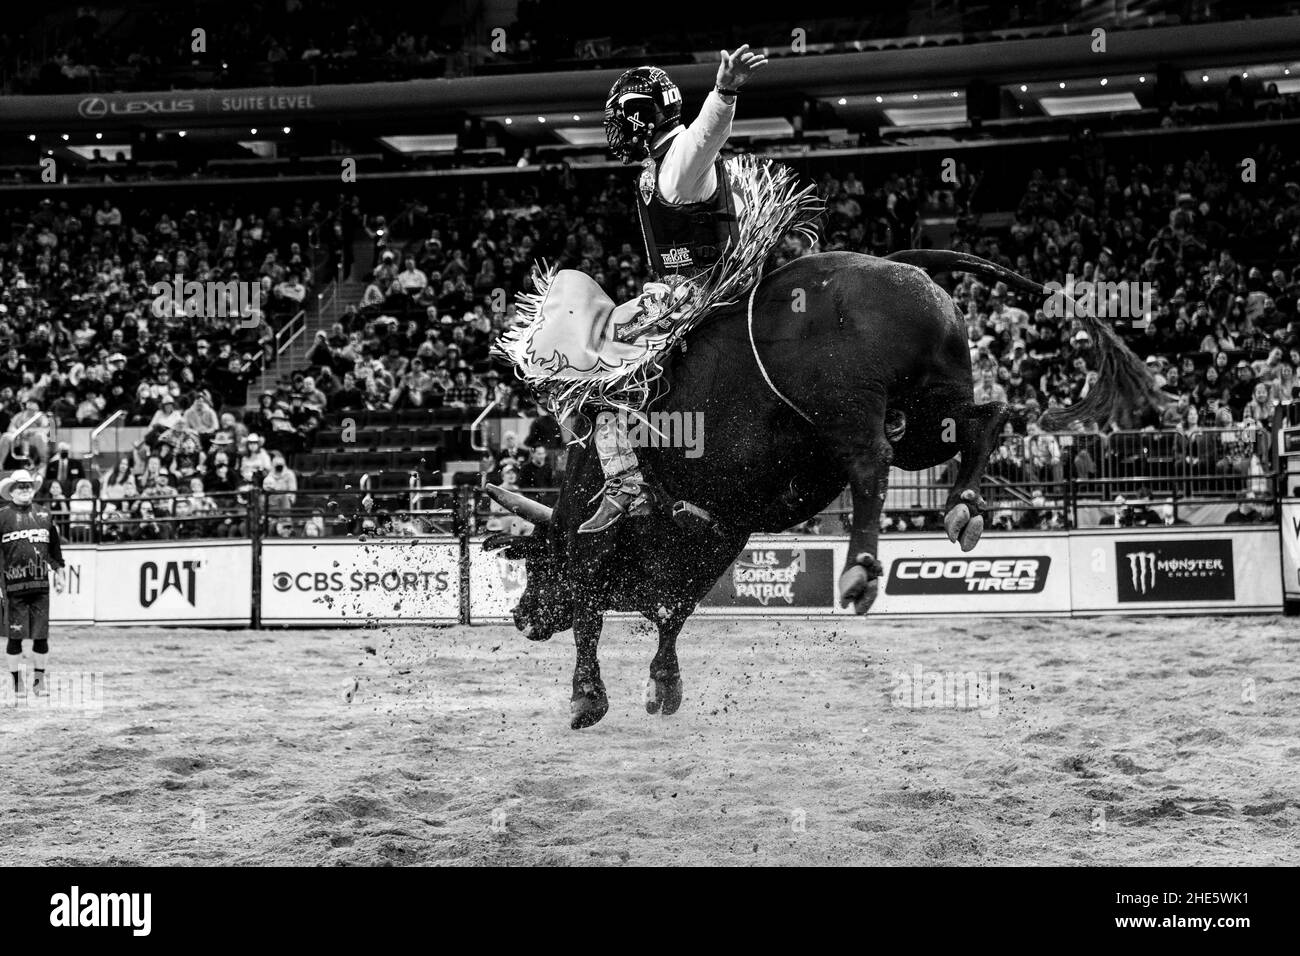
(1188, 569)
(777, 578)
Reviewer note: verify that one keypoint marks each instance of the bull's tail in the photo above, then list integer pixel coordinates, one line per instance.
(1123, 382)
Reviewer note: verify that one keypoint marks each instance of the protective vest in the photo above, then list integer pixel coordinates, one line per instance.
(29, 547)
(685, 238)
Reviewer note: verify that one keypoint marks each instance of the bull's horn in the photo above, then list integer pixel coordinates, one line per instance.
(526, 508)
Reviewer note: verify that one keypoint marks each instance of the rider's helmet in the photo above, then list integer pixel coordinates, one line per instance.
(642, 104)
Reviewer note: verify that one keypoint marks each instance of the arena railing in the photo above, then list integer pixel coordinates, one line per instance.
(109, 520)
(1044, 480)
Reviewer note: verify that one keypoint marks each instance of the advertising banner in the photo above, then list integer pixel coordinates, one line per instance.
(1189, 570)
(1011, 574)
(772, 576)
(1291, 548)
(495, 583)
(182, 582)
(1176, 569)
(72, 590)
(923, 575)
(349, 582)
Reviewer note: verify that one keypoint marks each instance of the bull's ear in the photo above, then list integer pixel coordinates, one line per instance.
(517, 547)
(498, 539)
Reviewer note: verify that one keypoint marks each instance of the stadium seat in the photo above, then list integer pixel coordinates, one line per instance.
(427, 438)
(397, 437)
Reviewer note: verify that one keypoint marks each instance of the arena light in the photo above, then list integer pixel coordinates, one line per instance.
(577, 118)
(1062, 84)
(880, 99)
(112, 149)
(541, 119)
(1142, 79)
(1104, 81)
(842, 101)
(927, 116)
(286, 131)
(581, 135)
(1084, 105)
(181, 133)
(31, 137)
(258, 147)
(99, 136)
(66, 137)
(1023, 88)
(1205, 78)
(436, 143)
(764, 128)
(509, 121)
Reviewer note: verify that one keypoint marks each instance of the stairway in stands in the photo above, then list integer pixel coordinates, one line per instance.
(320, 315)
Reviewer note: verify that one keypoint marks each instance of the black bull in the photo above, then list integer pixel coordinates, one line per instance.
(860, 345)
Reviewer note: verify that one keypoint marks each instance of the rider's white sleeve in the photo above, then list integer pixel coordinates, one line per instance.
(686, 173)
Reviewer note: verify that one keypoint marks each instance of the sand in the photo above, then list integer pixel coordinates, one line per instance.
(1152, 741)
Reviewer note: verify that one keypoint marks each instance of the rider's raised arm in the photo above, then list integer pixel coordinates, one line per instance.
(686, 173)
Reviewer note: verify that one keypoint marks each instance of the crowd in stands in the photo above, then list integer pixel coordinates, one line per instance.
(91, 321)
(83, 335)
(92, 327)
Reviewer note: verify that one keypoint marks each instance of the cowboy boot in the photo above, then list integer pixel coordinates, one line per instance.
(617, 498)
(624, 484)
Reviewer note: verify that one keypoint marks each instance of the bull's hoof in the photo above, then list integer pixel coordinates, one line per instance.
(858, 589)
(663, 696)
(588, 704)
(963, 523)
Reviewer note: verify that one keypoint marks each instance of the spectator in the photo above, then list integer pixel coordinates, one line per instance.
(200, 417)
(1245, 512)
(120, 485)
(81, 510)
(64, 468)
(57, 502)
(255, 459)
(281, 485)
(536, 472)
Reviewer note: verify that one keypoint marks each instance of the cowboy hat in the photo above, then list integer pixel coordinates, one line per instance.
(21, 476)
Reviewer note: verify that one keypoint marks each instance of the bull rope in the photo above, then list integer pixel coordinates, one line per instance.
(759, 361)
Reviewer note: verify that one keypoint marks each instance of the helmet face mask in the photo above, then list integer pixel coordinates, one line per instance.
(642, 104)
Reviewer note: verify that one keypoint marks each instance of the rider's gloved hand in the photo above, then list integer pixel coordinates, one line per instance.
(736, 68)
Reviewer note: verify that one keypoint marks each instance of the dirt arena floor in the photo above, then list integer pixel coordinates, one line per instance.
(1147, 741)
